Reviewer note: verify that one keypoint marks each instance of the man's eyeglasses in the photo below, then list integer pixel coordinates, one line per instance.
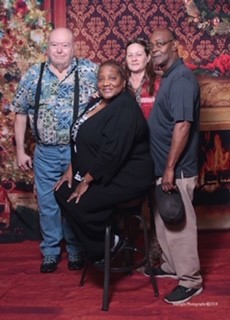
(159, 44)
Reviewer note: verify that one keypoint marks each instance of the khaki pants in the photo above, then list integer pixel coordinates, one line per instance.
(179, 243)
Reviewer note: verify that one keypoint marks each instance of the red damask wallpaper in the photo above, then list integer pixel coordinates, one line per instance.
(102, 28)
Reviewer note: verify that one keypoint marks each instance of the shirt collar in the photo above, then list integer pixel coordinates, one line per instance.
(178, 62)
(72, 66)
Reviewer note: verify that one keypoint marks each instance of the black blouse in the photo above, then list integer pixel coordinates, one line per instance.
(113, 144)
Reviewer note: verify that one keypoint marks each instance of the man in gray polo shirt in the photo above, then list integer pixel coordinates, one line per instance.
(174, 130)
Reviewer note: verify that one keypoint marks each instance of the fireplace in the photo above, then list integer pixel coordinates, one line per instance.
(214, 168)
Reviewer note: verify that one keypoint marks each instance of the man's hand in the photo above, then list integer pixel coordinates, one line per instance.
(179, 142)
(24, 162)
(168, 181)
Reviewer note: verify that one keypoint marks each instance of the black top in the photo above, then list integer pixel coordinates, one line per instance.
(178, 100)
(113, 145)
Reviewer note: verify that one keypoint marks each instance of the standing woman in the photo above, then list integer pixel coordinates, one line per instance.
(142, 80)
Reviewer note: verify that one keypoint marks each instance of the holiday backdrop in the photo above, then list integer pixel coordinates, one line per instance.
(101, 30)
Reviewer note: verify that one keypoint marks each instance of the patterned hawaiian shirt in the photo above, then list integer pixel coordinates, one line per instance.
(56, 103)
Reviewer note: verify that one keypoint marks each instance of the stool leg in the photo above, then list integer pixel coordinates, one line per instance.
(148, 265)
(105, 302)
(83, 274)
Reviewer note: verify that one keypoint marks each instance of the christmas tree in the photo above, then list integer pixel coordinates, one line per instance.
(23, 37)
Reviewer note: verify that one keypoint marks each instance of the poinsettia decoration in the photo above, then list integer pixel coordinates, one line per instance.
(23, 36)
(220, 66)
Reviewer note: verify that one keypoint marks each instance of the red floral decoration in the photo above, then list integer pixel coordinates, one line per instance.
(221, 63)
(23, 34)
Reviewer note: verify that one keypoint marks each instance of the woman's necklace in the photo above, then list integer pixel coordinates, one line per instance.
(99, 106)
(81, 120)
(136, 81)
(134, 85)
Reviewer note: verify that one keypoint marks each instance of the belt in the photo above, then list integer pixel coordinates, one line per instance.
(52, 145)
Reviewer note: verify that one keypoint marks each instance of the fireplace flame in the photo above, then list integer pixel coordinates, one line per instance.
(215, 172)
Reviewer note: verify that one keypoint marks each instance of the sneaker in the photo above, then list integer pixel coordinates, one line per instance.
(159, 273)
(182, 294)
(118, 245)
(49, 264)
(75, 262)
(99, 263)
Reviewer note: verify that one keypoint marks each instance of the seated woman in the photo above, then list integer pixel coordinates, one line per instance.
(110, 161)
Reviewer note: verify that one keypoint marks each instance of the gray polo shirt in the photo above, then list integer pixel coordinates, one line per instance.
(178, 100)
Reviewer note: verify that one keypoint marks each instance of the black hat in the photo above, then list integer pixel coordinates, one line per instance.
(170, 205)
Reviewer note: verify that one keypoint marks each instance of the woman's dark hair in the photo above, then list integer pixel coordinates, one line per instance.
(149, 70)
(120, 69)
(115, 64)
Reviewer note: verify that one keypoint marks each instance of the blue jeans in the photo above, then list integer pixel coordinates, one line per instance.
(50, 162)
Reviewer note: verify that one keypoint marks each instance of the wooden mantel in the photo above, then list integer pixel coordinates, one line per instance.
(215, 103)
(212, 119)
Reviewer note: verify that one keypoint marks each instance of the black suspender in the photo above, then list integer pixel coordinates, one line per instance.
(76, 96)
(37, 99)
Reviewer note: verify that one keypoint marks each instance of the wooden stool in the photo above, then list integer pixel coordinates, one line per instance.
(125, 211)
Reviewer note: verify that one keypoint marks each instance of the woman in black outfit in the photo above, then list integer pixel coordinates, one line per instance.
(110, 163)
